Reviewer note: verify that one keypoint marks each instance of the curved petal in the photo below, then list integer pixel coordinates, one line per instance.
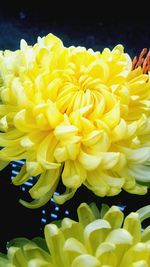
(140, 172)
(39, 263)
(72, 245)
(89, 162)
(136, 156)
(23, 122)
(55, 242)
(37, 203)
(106, 254)
(112, 118)
(61, 199)
(144, 213)
(119, 236)
(95, 233)
(22, 176)
(85, 214)
(114, 216)
(46, 181)
(73, 174)
(133, 226)
(45, 152)
(85, 261)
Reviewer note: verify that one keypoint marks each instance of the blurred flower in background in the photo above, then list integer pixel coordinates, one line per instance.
(76, 115)
(103, 238)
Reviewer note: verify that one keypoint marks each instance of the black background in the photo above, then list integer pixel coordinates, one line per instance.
(90, 26)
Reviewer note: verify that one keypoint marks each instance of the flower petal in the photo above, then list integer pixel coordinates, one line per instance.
(114, 216)
(133, 226)
(85, 214)
(89, 162)
(73, 174)
(85, 261)
(61, 199)
(46, 181)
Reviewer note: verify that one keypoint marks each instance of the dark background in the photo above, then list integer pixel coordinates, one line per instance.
(96, 29)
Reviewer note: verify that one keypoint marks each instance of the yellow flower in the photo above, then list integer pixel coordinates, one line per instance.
(95, 241)
(74, 114)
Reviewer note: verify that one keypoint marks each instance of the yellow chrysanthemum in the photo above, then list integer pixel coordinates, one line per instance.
(97, 240)
(77, 114)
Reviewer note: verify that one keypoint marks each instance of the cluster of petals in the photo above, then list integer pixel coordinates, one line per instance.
(98, 239)
(74, 115)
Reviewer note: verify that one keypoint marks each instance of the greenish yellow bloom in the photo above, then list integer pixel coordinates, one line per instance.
(76, 115)
(97, 240)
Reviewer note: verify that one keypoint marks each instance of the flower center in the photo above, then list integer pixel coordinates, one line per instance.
(79, 89)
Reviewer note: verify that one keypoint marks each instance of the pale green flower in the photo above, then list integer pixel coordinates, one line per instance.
(98, 239)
